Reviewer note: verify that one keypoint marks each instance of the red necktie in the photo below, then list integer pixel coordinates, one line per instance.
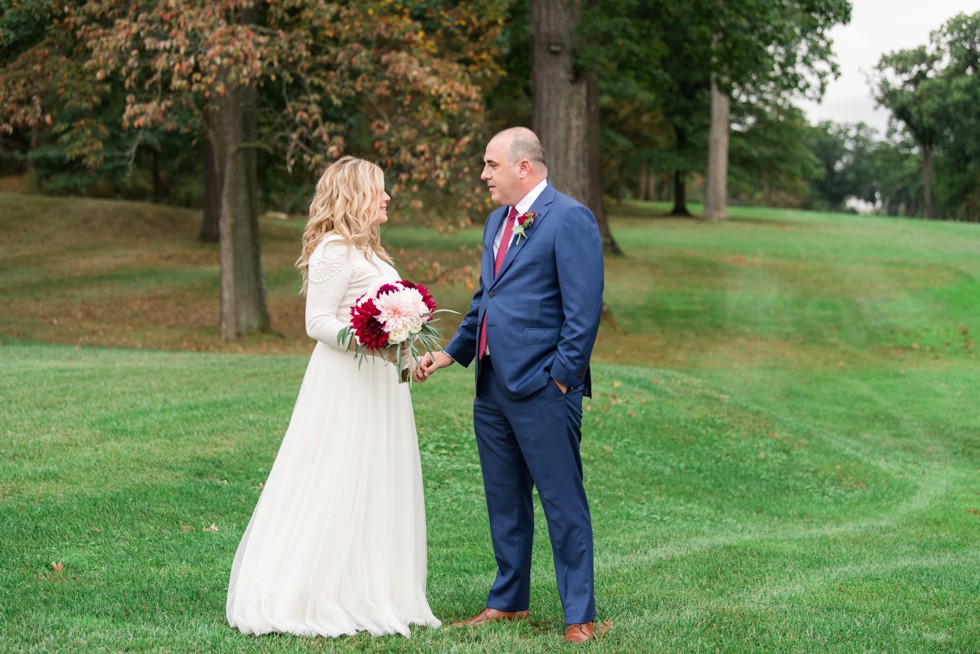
(498, 260)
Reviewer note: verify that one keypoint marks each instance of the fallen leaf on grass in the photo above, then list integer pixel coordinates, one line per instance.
(186, 527)
(57, 566)
(974, 511)
(213, 527)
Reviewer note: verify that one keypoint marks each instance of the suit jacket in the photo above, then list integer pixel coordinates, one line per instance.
(543, 307)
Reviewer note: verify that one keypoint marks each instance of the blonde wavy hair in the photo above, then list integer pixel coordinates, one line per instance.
(346, 202)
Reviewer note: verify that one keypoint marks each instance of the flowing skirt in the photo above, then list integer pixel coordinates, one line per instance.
(336, 543)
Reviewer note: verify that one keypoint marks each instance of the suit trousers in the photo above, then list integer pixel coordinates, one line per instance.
(527, 443)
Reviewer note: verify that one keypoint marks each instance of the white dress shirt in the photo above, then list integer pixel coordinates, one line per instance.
(521, 207)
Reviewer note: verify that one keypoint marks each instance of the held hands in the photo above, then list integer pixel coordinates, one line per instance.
(429, 363)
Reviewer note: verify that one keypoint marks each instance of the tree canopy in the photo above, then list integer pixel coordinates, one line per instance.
(932, 92)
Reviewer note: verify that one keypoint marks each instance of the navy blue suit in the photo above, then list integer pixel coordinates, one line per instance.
(542, 315)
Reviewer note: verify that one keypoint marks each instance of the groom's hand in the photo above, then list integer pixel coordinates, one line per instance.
(430, 362)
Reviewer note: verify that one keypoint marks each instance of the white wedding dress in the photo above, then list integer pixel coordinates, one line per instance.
(336, 543)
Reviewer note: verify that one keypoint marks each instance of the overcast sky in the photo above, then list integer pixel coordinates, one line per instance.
(877, 27)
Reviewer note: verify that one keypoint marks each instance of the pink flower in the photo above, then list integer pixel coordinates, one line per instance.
(402, 312)
(426, 295)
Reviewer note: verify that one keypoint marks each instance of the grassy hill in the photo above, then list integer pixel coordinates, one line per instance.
(782, 454)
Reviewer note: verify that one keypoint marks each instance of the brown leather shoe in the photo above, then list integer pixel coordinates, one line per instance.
(580, 633)
(491, 615)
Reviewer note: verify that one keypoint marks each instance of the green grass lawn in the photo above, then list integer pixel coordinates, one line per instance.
(783, 454)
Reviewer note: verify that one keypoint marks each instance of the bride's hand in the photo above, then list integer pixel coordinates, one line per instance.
(390, 354)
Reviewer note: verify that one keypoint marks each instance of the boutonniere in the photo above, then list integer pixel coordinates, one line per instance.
(522, 223)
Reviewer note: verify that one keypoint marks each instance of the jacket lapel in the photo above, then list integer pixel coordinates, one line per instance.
(540, 208)
(493, 226)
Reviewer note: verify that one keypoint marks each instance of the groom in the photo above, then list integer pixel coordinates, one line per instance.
(531, 327)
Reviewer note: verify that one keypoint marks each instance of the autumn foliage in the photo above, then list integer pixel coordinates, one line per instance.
(398, 82)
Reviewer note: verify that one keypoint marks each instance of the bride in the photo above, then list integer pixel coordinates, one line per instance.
(336, 544)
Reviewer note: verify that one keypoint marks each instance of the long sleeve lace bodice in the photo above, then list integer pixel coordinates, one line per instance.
(339, 274)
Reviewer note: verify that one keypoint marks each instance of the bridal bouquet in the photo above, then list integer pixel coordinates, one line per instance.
(395, 315)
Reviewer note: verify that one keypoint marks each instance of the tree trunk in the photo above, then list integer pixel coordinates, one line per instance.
(647, 184)
(680, 195)
(928, 209)
(209, 232)
(716, 183)
(565, 113)
(643, 184)
(594, 197)
(559, 100)
(243, 297)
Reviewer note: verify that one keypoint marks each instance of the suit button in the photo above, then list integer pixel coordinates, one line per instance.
(490, 294)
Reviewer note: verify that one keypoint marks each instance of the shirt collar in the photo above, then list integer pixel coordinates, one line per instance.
(528, 200)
